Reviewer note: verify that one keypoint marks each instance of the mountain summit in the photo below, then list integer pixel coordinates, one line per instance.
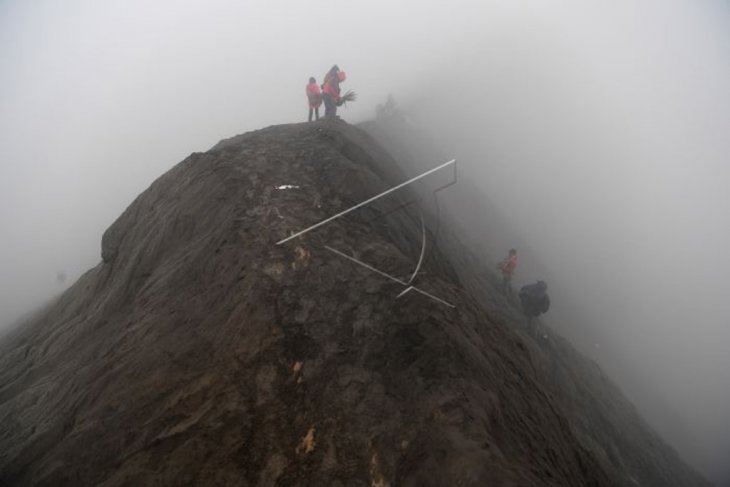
(203, 350)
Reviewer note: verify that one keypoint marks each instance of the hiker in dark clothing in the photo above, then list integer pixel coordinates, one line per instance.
(535, 301)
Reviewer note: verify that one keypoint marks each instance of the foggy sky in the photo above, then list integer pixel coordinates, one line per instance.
(601, 129)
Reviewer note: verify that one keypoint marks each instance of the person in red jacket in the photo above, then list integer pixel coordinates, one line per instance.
(314, 95)
(331, 90)
(508, 266)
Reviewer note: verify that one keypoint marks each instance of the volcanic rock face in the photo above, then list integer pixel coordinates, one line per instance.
(200, 352)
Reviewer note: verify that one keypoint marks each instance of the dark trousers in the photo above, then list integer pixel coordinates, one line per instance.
(314, 110)
(330, 107)
(507, 284)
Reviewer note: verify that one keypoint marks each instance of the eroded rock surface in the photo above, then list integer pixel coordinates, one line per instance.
(200, 353)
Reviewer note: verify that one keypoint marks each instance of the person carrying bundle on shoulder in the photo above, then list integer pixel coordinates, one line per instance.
(535, 301)
(331, 91)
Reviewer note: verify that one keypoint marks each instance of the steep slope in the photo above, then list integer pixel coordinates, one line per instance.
(603, 420)
(200, 352)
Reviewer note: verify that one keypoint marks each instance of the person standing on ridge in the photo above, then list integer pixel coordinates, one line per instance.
(508, 266)
(314, 95)
(331, 90)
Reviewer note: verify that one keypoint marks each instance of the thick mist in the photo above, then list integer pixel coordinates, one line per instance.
(599, 130)
(603, 140)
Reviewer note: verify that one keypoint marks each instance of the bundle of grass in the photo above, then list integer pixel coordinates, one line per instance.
(348, 96)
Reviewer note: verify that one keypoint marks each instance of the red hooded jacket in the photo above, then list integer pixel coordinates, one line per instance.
(332, 84)
(509, 265)
(314, 95)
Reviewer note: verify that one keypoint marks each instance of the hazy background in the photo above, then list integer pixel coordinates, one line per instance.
(601, 129)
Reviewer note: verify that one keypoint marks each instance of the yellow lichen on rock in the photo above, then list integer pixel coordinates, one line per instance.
(376, 476)
(307, 444)
(301, 258)
(297, 367)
